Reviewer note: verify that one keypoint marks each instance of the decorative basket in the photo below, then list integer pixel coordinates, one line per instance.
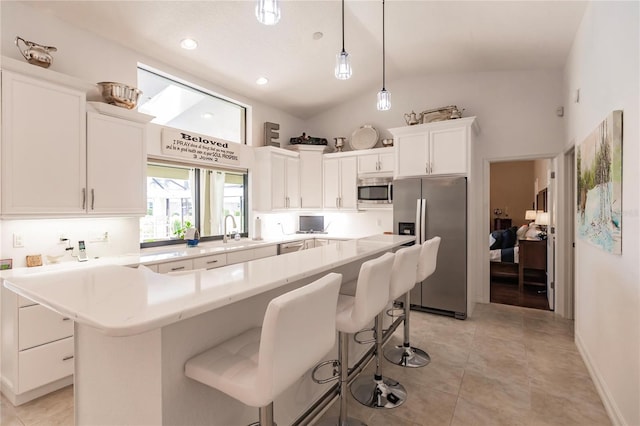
(119, 94)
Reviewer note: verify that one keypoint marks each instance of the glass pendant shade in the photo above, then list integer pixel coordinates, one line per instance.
(268, 12)
(384, 100)
(343, 66)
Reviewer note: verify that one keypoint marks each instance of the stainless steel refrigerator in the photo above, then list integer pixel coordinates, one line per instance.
(430, 207)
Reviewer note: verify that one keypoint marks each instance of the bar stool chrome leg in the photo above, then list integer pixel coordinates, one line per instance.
(343, 419)
(405, 355)
(379, 392)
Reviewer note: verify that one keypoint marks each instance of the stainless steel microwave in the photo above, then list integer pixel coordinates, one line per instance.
(378, 190)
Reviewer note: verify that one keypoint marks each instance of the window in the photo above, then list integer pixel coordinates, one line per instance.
(184, 106)
(179, 196)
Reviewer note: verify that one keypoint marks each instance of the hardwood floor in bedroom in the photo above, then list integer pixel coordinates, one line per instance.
(506, 292)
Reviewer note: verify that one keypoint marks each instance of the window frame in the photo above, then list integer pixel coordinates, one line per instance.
(196, 202)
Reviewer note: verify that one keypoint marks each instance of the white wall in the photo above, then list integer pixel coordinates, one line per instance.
(603, 64)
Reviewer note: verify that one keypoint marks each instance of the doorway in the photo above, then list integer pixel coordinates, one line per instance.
(519, 211)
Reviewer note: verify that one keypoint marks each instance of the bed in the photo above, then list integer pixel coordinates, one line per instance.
(503, 252)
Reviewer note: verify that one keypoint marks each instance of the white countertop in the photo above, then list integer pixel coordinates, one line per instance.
(122, 301)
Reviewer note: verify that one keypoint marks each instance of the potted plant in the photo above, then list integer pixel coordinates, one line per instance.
(189, 233)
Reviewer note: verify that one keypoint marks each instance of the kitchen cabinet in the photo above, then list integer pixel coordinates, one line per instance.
(175, 266)
(116, 160)
(379, 162)
(60, 160)
(339, 176)
(37, 349)
(310, 175)
(210, 262)
(251, 254)
(440, 148)
(43, 147)
(277, 179)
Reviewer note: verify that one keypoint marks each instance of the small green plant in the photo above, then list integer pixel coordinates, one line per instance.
(180, 230)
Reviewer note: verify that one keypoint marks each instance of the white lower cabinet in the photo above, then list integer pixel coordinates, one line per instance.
(45, 364)
(175, 266)
(37, 349)
(210, 262)
(38, 325)
(251, 254)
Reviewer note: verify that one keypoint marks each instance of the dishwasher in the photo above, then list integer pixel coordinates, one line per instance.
(290, 247)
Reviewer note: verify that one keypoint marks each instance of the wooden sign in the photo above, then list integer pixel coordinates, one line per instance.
(196, 147)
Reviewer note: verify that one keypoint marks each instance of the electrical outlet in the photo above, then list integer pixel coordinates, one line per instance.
(17, 241)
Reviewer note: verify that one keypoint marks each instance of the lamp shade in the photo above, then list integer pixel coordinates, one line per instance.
(530, 215)
(542, 218)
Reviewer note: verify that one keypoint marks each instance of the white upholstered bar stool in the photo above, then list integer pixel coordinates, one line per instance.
(406, 355)
(298, 329)
(379, 391)
(354, 313)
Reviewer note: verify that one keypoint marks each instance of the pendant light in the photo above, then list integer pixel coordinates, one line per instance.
(343, 62)
(384, 97)
(268, 12)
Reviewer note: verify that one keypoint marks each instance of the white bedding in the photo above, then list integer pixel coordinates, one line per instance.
(496, 255)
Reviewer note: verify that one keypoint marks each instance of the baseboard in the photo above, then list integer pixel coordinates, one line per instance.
(607, 399)
(19, 399)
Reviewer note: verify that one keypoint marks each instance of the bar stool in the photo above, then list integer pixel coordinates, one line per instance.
(298, 329)
(380, 391)
(354, 313)
(406, 355)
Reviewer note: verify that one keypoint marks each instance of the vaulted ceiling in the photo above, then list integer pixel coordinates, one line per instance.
(298, 54)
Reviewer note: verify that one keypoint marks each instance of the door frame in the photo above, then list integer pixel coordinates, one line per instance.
(484, 293)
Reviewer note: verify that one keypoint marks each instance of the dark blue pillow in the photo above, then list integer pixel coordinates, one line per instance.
(509, 237)
(497, 236)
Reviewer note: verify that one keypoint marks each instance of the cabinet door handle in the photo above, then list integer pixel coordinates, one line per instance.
(177, 268)
(67, 358)
(66, 319)
(337, 202)
(426, 168)
(84, 198)
(93, 198)
(211, 261)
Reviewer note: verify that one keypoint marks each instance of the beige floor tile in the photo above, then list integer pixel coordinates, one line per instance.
(469, 414)
(548, 409)
(504, 395)
(55, 409)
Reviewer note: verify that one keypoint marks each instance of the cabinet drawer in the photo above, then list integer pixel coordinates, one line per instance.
(38, 325)
(261, 252)
(178, 265)
(210, 262)
(239, 256)
(45, 364)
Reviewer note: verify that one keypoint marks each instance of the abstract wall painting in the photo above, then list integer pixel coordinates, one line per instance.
(599, 182)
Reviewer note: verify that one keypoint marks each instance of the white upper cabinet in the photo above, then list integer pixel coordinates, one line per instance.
(60, 160)
(440, 148)
(379, 162)
(276, 180)
(116, 160)
(43, 147)
(310, 175)
(340, 185)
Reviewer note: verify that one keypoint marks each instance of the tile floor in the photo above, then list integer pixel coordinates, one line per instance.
(504, 366)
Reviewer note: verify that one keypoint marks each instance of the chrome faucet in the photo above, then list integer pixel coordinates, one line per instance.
(233, 219)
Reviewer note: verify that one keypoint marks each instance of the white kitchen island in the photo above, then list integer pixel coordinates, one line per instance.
(134, 330)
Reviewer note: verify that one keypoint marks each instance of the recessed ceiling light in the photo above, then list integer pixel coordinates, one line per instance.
(262, 81)
(189, 44)
(207, 115)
